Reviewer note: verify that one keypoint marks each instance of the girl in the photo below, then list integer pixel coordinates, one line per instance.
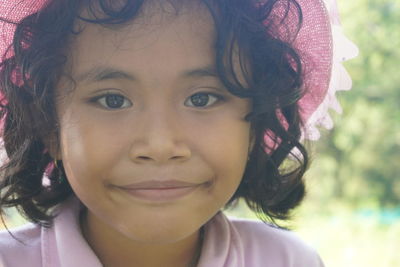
(128, 125)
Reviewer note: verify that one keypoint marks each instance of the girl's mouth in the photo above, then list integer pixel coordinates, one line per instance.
(160, 191)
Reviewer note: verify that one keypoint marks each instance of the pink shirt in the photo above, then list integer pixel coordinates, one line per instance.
(227, 243)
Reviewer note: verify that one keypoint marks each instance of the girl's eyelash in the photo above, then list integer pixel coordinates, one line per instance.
(198, 97)
(111, 101)
(115, 101)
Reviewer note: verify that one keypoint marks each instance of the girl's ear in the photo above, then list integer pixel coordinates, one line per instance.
(52, 144)
(252, 141)
(46, 130)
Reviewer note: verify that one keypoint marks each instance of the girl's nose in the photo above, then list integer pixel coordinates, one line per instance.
(159, 139)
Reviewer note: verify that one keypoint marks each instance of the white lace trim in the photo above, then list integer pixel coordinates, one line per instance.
(343, 49)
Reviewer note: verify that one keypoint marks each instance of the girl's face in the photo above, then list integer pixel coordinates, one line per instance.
(151, 142)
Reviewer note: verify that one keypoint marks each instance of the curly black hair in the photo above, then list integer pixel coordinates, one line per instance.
(272, 184)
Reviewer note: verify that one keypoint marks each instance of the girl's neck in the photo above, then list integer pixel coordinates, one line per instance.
(116, 250)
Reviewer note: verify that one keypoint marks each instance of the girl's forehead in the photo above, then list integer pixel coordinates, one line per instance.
(155, 20)
(157, 32)
(154, 15)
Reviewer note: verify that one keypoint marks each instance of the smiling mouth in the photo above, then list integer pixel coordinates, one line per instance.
(160, 191)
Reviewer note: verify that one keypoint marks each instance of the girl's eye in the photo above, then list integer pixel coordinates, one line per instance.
(113, 101)
(203, 100)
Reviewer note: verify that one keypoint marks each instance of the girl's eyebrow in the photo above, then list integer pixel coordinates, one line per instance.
(102, 73)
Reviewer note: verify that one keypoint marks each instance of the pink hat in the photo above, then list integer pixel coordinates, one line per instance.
(320, 43)
(323, 48)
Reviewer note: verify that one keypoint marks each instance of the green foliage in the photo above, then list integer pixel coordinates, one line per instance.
(359, 161)
(348, 239)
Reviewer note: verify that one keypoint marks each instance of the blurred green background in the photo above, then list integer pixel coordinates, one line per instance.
(352, 211)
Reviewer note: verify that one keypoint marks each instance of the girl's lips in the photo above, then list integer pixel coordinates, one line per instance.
(160, 191)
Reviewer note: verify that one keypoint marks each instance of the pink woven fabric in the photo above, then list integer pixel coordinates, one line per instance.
(315, 45)
(14, 11)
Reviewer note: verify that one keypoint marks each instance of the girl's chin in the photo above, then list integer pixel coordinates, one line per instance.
(150, 230)
(161, 237)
